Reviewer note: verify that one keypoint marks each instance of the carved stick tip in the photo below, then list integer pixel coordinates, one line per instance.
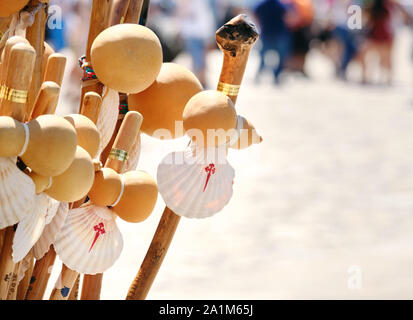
(239, 32)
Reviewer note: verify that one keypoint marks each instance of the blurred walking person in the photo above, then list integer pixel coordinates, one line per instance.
(299, 19)
(197, 28)
(275, 35)
(338, 16)
(380, 36)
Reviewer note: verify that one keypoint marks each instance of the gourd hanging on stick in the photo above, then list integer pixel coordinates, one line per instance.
(43, 250)
(243, 35)
(163, 103)
(9, 7)
(90, 241)
(122, 11)
(127, 57)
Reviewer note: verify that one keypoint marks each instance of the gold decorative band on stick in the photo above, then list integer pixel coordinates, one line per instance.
(13, 95)
(118, 154)
(229, 89)
(2, 91)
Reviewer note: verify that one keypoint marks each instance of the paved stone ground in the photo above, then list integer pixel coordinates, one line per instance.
(330, 187)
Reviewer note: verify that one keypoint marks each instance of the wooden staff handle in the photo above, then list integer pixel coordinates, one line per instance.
(4, 24)
(118, 12)
(55, 68)
(12, 290)
(40, 276)
(17, 84)
(5, 55)
(128, 133)
(74, 293)
(247, 36)
(35, 34)
(2, 231)
(64, 284)
(134, 11)
(154, 257)
(91, 287)
(99, 20)
(6, 262)
(140, 9)
(46, 101)
(18, 77)
(144, 12)
(25, 282)
(235, 39)
(92, 284)
(91, 105)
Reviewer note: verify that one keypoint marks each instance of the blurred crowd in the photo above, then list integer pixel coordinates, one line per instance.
(345, 31)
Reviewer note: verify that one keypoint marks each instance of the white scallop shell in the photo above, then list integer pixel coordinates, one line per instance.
(108, 117)
(17, 193)
(134, 154)
(196, 183)
(81, 246)
(50, 232)
(31, 228)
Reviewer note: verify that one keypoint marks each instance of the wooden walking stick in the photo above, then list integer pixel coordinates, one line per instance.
(14, 94)
(91, 106)
(12, 290)
(35, 35)
(74, 293)
(40, 276)
(118, 11)
(43, 267)
(92, 284)
(25, 282)
(123, 143)
(3, 75)
(98, 22)
(235, 39)
(55, 68)
(46, 103)
(123, 11)
(144, 12)
(64, 284)
(134, 11)
(6, 263)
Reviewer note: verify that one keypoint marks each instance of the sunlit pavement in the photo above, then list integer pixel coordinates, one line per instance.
(323, 208)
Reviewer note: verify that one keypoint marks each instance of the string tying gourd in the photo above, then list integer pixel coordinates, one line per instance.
(88, 72)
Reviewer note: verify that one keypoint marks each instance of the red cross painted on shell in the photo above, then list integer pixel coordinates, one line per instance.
(210, 170)
(100, 229)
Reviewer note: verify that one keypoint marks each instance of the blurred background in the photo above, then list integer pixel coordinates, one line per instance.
(322, 209)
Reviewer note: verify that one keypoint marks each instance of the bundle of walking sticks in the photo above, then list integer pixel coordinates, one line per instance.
(64, 181)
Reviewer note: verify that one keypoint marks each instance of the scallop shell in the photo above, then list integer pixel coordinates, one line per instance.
(31, 228)
(196, 183)
(50, 232)
(17, 193)
(90, 241)
(108, 117)
(134, 154)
